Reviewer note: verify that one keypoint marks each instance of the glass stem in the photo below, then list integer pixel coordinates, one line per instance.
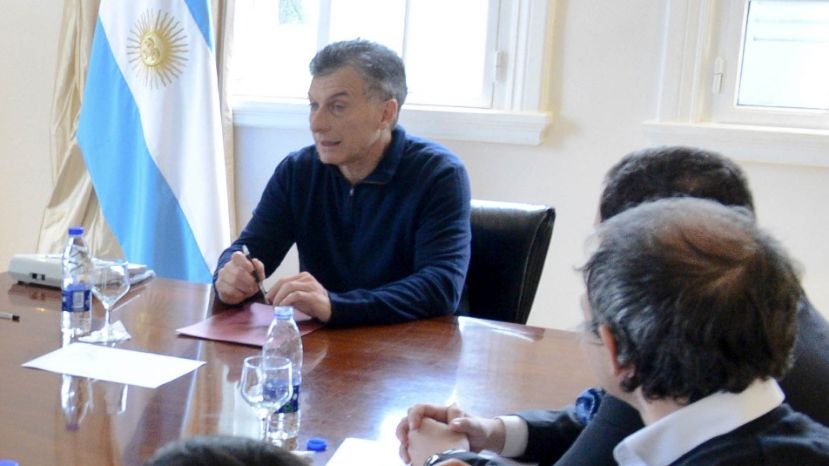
(107, 323)
(264, 424)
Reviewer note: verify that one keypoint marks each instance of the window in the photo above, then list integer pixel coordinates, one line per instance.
(785, 56)
(737, 78)
(447, 60)
(474, 67)
(769, 64)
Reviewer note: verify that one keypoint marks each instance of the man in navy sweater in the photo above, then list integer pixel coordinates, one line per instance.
(380, 218)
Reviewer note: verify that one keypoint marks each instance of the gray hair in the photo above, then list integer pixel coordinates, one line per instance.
(697, 297)
(381, 68)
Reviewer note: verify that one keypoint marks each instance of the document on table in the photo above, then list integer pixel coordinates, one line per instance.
(365, 453)
(373, 453)
(247, 325)
(114, 365)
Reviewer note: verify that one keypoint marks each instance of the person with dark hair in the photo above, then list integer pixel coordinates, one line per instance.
(380, 218)
(222, 450)
(692, 315)
(587, 432)
(664, 172)
(673, 171)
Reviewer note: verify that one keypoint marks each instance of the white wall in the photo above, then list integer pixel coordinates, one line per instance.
(604, 83)
(791, 203)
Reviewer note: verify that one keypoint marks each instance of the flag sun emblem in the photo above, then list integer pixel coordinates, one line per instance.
(157, 48)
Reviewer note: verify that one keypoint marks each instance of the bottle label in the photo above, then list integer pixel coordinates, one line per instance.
(292, 406)
(76, 300)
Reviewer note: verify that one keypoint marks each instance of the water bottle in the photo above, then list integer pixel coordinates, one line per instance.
(76, 288)
(285, 340)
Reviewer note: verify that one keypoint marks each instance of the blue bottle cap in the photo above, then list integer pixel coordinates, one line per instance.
(316, 444)
(7, 462)
(73, 231)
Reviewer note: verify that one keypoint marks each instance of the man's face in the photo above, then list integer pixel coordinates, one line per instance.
(348, 126)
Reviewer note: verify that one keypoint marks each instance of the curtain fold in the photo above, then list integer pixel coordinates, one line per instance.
(224, 15)
(73, 200)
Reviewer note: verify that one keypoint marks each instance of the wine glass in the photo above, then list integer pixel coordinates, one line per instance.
(110, 282)
(266, 386)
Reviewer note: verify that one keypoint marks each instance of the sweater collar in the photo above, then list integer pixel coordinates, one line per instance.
(385, 170)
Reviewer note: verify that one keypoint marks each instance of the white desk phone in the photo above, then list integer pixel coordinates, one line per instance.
(45, 269)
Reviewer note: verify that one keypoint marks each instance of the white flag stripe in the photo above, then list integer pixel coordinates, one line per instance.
(185, 149)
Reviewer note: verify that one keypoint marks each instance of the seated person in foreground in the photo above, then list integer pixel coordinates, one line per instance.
(569, 436)
(222, 450)
(690, 316)
(380, 218)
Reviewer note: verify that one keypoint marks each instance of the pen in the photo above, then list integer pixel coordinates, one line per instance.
(246, 252)
(10, 316)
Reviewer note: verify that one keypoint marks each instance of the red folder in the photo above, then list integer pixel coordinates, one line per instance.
(247, 325)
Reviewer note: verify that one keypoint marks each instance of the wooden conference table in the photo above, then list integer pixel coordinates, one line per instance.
(356, 382)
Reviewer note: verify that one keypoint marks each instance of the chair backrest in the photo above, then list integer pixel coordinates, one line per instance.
(509, 246)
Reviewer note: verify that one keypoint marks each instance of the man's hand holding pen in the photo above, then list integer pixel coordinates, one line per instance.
(242, 276)
(240, 279)
(258, 274)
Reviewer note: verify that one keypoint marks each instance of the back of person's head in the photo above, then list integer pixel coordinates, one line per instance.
(222, 450)
(696, 296)
(673, 171)
(382, 70)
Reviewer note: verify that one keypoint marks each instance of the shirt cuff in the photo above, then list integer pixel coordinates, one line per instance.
(517, 434)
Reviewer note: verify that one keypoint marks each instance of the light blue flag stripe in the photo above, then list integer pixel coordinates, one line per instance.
(137, 202)
(201, 14)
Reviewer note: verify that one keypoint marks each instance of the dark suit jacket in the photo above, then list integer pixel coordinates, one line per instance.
(558, 437)
(805, 386)
(781, 437)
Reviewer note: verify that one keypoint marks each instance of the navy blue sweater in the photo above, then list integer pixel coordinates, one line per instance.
(781, 437)
(393, 248)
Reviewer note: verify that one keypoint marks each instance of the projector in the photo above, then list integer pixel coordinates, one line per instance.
(45, 269)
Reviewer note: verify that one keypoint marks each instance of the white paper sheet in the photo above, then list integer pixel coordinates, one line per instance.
(365, 453)
(373, 453)
(114, 365)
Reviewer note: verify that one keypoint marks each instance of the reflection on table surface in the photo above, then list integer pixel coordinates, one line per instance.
(356, 382)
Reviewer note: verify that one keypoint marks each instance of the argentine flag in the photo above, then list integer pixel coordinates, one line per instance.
(150, 134)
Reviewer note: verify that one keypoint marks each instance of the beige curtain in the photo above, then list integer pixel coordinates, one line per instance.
(73, 200)
(224, 14)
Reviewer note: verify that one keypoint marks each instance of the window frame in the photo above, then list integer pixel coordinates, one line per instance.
(684, 115)
(521, 117)
(723, 108)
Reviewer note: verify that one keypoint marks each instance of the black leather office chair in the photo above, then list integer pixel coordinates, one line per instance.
(509, 246)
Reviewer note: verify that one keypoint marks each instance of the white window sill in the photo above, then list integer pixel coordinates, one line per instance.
(788, 146)
(524, 128)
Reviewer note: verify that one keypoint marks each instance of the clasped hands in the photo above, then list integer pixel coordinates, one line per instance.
(428, 429)
(236, 282)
